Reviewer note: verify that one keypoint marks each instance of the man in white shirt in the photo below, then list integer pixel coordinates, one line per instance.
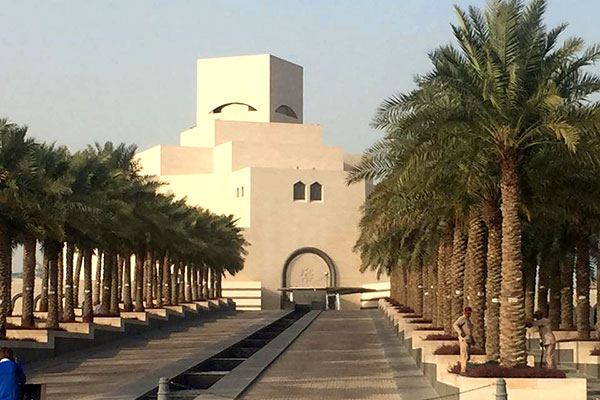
(547, 338)
(464, 329)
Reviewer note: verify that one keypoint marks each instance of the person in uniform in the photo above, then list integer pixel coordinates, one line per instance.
(464, 329)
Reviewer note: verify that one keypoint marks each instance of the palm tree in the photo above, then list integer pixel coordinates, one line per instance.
(45, 215)
(511, 90)
(15, 170)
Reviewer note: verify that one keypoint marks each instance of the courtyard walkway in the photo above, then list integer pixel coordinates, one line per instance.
(120, 370)
(344, 355)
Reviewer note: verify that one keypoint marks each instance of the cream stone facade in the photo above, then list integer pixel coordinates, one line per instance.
(251, 155)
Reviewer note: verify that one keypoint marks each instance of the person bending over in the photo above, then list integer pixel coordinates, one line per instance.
(548, 341)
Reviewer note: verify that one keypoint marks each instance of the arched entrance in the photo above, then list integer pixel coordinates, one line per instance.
(308, 267)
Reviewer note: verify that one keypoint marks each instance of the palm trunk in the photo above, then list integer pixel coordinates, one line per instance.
(597, 293)
(159, 281)
(188, 283)
(106, 282)
(149, 274)
(145, 280)
(512, 309)
(566, 295)
(194, 283)
(417, 287)
(529, 284)
(440, 287)
(98, 281)
(52, 249)
(114, 285)
(459, 251)
(432, 289)
(219, 286)
(29, 250)
(426, 277)
(87, 307)
(120, 264)
(167, 281)
(394, 284)
(205, 283)
(494, 278)
(582, 275)
(155, 273)
(447, 303)
(127, 301)
(543, 282)
(61, 270)
(77, 277)
(5, 276)
(200, 278)
(476, 267)
(211, 284)
(404, 293)
(409, 281)
(175, 285)
(44, 291)
(181, 283)
(139, 281)
(69, 312)
(554, 285)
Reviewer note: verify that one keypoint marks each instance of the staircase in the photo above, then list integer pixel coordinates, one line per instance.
(195, 381)
(570, 369)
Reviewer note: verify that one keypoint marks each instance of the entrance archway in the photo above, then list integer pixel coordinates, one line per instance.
(318, 272)
(310, 250)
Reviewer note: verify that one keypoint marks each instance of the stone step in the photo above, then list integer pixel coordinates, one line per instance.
(225, 364)
(203, 379)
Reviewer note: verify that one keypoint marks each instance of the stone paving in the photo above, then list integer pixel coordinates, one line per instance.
(99, 373)
(344, 355)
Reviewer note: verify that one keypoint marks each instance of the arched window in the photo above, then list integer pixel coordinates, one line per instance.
(299, 191)
(286, 110)
(316, 192)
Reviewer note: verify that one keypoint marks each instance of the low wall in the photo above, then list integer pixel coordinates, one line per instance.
(369, 300)
(246, 294)
(453, 386)
(82, 335)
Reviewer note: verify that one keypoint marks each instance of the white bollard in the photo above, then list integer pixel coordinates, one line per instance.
(163, 389)
(501, 393)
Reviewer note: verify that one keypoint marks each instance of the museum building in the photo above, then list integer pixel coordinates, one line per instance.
(250, 155)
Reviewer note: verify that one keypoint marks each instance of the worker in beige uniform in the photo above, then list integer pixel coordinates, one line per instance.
(464, 329)
(548, 341)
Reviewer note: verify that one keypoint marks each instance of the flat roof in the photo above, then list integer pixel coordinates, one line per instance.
(329, 290)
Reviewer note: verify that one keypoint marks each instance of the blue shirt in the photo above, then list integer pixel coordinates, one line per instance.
(11, 379)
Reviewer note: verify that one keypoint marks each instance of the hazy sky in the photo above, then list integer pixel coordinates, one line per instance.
(83, 71)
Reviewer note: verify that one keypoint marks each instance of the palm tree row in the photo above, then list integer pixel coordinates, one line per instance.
(96, 202)
(488, 179)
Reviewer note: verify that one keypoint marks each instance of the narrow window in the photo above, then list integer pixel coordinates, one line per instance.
(299, 191)
(242, 191)
(316, 192)
(237, 191)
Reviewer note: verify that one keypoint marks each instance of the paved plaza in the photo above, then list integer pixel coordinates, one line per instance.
(344, 355)
(119, 370)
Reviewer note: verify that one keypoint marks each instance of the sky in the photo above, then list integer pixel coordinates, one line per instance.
(77, 72)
